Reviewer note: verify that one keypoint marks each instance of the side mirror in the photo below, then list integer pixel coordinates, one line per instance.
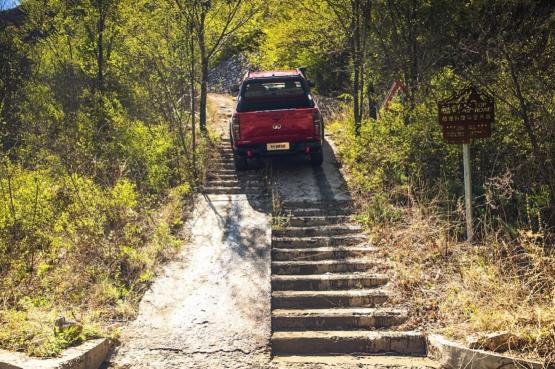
(235, 90)
(310, 83)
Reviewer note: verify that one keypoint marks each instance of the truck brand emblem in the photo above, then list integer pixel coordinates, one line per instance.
(276, 126)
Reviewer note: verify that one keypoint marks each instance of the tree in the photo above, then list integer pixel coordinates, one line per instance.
(510, 53)
(354, 17)
(214, 22)
(14, 66)
(305, 33)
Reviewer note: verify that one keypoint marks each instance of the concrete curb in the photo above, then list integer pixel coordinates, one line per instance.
(455, 356)
(89, 355)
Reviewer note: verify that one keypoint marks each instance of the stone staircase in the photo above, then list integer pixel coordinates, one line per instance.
(327, 292)
(223, 179)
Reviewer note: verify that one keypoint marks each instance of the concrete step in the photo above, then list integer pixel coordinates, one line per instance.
(327, 204)
(321, 266)
(221, 165)
(318, 241)
(328, 281)
(309, 212)
(321, 253)
(328, 299)
(235, 183)
(220, 190)
(336, 319)
(352, 362)
(223, 183)
(317, 220)
(221, 171)
(349, 342)
(247, 176)
(228, 171)
(311, 231)
(222, 177)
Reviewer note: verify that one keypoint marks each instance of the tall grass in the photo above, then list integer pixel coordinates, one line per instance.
(408, 186)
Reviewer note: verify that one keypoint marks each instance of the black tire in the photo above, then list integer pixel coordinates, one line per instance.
(240, 163)
(317, 159)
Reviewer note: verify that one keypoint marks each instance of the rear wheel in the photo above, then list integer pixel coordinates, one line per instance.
(317, 159)
(240, 163)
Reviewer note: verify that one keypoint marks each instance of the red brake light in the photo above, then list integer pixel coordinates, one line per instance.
(235, 127)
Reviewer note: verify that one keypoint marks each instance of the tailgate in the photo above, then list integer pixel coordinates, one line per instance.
(277, 125)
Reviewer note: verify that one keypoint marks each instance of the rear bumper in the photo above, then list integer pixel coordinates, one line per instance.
(259, 150)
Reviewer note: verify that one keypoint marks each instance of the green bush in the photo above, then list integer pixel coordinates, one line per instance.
(403, 154)
(69, 245)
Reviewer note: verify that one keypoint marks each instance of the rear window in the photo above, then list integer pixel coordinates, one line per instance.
(287, 88)
(273, 94)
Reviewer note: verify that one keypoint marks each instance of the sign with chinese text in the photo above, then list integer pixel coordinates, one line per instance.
(466, 115)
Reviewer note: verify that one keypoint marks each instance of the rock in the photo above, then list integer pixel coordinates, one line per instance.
(493, 341)
(62, 324)
(115, 326)
(227, 74)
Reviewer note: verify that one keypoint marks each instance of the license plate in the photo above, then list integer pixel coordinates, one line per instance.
(277, 146)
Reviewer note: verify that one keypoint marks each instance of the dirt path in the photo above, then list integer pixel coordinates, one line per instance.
(210, 307)
(221, 108)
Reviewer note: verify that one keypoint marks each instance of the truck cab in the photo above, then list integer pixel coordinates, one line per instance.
(276, 115)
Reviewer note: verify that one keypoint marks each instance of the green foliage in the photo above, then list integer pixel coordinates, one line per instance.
(31, 330)
(404, 152)
(70, 244)
(313, 40)
(95, 164)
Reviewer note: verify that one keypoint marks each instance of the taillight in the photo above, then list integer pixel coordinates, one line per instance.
(317, 122)
(235, 127)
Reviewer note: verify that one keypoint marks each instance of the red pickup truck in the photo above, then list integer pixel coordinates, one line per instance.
(276, 115)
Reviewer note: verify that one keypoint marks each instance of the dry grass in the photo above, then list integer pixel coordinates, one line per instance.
(503, 282)
(459, 289)
(280, 218)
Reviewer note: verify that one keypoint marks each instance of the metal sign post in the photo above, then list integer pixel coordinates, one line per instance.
(467, 192)
(464, 116)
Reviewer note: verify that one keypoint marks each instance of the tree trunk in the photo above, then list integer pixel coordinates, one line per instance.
(203, 71)
(356, 114)
(372, 104)
(101, 24)
(102, 121)
(355, 41)
(203, 94)
(413, 52)
(527, 122)
(193, 93)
